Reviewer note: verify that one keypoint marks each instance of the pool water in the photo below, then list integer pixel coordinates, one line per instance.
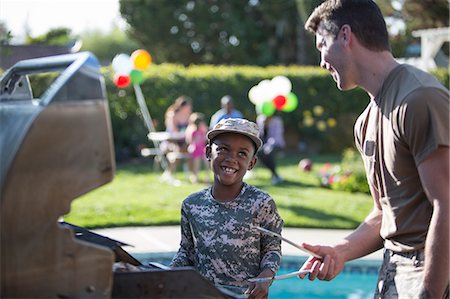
(350, 285)
(356, 281)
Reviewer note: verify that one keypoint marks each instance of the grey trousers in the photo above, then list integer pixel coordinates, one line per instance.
(401, 275)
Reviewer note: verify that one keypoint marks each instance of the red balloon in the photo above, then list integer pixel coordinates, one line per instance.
(279, 102)
(121, 80)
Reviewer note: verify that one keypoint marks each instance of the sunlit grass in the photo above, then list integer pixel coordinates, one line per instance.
(138, 197)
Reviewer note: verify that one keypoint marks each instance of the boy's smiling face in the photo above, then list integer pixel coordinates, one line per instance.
(231, 156)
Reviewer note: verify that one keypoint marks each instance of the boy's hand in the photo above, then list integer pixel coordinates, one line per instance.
(260, 290)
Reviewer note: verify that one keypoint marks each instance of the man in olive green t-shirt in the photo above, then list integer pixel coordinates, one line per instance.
(403, 137)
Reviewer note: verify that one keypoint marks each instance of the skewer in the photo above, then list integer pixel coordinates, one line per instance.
(288, 275)
(266, 231)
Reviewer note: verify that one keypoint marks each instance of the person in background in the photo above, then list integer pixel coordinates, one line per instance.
(227, 111)
(272, 134)
(403, 138)
(196, 142)
(176, 121)
(177, 115)
(218, 233)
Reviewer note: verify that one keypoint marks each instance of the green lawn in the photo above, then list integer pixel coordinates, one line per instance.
(137, 197)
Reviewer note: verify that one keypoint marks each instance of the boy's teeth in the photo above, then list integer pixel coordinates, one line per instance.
(228, 170)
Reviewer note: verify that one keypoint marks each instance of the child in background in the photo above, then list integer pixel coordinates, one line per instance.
(196, 142)
(218, 234)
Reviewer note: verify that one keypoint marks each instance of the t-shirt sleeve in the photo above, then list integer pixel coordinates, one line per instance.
(270, 246)
(185, 254)
(426, 121)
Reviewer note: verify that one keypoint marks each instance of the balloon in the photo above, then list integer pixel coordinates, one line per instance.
(141, 59)
(253, 95)
(136, 76)
(279, 102)
(121, 80)
(281, 85)
(267, 108)
(122, 64)
(305, 165)
(264, 90)
(291, 103)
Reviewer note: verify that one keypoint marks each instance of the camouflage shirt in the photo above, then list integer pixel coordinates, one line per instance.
(219, 239)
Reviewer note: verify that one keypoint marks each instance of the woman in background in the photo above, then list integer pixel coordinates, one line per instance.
(272, 134)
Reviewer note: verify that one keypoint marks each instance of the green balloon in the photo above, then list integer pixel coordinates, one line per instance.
(268, 108)
(291, 103)
(136, 76)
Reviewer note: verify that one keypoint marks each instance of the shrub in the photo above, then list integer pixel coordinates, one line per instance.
(348, 176)
(329, 131)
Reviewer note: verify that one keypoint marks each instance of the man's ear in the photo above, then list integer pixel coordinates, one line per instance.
(208, 152)
(252, 163)
(346, 33)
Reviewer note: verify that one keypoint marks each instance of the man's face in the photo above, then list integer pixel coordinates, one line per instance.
(231, 156)
(333, 56)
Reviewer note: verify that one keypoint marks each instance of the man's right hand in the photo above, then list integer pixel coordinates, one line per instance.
(323, 269)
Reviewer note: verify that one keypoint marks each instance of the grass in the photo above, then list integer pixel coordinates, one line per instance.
(136, 197)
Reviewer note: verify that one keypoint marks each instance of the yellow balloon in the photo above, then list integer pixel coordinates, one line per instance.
(141, 59)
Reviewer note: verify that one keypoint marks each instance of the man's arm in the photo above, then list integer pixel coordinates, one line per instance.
(435, 178)
(364, 240)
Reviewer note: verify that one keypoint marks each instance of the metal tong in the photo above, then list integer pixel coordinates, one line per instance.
(271, 233)
(288, 275)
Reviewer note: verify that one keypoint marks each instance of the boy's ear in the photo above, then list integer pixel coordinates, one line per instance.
(208, 152)
(252, 163)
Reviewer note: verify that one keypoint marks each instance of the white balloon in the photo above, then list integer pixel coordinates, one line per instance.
(122, 64)
(281, 85)
(265, 92)
(253, 95)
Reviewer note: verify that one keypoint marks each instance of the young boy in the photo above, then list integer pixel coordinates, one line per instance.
(218, 234)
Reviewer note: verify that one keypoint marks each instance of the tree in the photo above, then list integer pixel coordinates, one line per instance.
(415, 15)
(306, 52)
(55, 37)
(213, 31)
(5, 34)
(107, 45)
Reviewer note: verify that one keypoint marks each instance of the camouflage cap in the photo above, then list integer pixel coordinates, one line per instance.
(237, 126)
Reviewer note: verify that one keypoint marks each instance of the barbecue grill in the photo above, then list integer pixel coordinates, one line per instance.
(55, 147)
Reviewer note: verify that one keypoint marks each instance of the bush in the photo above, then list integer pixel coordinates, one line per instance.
(322, 122)
(328, 131)
(348, 176)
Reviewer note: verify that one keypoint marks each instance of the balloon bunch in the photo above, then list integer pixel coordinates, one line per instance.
(271, 95)
(128, 69)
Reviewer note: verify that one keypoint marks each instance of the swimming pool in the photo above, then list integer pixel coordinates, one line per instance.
(357, 281)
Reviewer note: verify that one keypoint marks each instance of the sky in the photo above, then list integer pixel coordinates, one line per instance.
(42, 15)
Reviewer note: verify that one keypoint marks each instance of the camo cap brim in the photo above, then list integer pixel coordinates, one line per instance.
(238, 126)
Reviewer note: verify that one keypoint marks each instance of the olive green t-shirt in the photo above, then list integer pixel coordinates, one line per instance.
(404, 124)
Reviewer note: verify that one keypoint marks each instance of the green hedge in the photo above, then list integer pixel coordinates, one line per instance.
(206, 84)
(321, 104)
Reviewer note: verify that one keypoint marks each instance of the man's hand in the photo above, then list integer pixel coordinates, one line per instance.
(327, 268)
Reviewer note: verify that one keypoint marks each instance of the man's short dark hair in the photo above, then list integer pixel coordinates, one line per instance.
(363, 16)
